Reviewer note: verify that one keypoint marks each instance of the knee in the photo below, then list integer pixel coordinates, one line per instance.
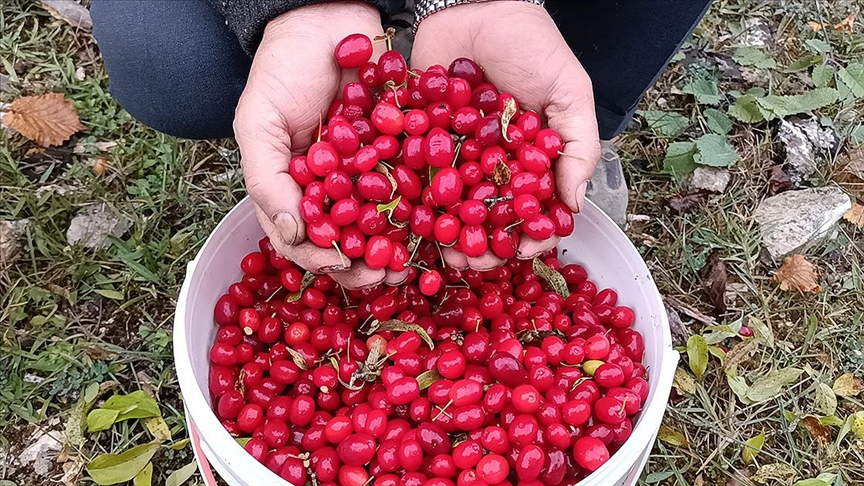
(165, 71)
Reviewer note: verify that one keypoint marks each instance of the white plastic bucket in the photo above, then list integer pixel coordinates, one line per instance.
(598, 244)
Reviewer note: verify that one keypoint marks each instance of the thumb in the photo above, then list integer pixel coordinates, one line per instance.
(571, 113)
(265, 159)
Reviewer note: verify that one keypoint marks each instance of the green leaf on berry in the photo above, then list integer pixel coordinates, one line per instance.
(552, 277)
(304, 284)
(426, 378)
(389, 207)
(397, 325)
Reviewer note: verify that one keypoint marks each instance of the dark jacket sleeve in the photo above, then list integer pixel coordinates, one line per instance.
(247, 18)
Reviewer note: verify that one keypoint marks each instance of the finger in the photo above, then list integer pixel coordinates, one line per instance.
(455, 259)
(530, 248)
(396, 278)
(265, 150)
(305, 254)
(359, 276)
(487, 261)
(571, 113)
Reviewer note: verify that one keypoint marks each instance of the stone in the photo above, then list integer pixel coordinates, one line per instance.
(43, 449)
(806, 143)
(791, 220)
(4, 83)
(93, 225)
(757, 33)
(10, 241)
(710, 179)
(69, 11)
(607, 188)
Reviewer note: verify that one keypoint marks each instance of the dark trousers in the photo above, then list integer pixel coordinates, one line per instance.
(175, 65)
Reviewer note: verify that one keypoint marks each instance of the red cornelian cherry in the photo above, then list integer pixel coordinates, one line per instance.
(590, 453)
(353, 51)
(430, 282)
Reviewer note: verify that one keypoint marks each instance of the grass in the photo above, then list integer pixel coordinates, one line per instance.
(70, 317)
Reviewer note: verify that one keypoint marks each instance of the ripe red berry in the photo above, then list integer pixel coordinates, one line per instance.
(353, 51)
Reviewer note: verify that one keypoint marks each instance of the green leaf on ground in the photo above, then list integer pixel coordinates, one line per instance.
(739, 386)
(771, 385)
(803, 63)
(136, 405)
(752, 447)
(714, 150)
(853, 77)
(705, 90)
(755, 57)
(98, 420)
(746, 109)
(762, 331)
(182, 475)
(822, 75)
(826, 400)
(110, 294)
(717, 121)
(774, 106)
(818, 46)
(679, 158)
(145, 477)
(811, 482)
(117, 468)
(697, 355)
(671, 436)
(665, 124)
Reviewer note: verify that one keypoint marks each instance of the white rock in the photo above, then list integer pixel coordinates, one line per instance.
(757, 33)
(805, 142)
(226, 176)
(792, 219)
(70, 11)
(93, 225)
(54, 189)
(43, 449)
(710, 179)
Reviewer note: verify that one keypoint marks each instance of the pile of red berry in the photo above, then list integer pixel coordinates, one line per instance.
(521, 375)
(440, 155)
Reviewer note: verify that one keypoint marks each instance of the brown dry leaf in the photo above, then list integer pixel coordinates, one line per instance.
(502, 174)
(816, 26)
(855, 215)
(100, 165)
(714, 279)
(48, 119)
(779, 181)
(847, 24)
(847, 386)
(821, 434)
(797, 274)
(686, 201)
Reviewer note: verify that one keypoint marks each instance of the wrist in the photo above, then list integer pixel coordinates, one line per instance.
(331, 20)
(425, 8)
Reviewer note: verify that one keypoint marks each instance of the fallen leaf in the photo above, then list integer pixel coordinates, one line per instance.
(820, 433)
(672, 436)
(847, 386)
(714, 278)
(816, 26)
(847, 24)
(689, 310)
(69, 11)
(48, 119)
(774, 472)
(855, 215)
(680, 334)
(826, 400)
(686, 201)
(697, 355)
(771, 385)
(797, 274)
(752, 447)
(779, 181)
(684, 383)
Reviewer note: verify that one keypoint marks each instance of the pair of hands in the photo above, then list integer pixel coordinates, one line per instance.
(294, 78)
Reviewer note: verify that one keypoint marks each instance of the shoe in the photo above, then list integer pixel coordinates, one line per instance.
(607, 188)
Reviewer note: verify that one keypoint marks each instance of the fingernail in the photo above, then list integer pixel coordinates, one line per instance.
(332, 269)
(288, 228)
(580, 195)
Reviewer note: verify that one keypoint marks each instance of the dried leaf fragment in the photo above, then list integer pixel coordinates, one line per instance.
(507, 115)
(815, 26)
(502, 174)
(714, 279)
(48, 119)
(855, 215)
(847, 386)
(847, 24)
(552, 277)
(684, 202)
(779, 181)
(797, 274)
(820, 433)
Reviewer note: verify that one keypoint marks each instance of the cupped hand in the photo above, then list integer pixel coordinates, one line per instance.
(293, 81)
(522, 53)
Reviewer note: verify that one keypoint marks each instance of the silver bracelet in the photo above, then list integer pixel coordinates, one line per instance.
(425, 8)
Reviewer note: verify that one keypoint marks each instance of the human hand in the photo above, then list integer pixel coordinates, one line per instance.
(293, 81)
(524, 54)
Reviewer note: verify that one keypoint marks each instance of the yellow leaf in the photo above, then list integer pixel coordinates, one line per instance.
(858, 425)
(855, 215)
(672, 436)
(797, 274)
(684, 383)
(752, 447)
(158, 428)
(847, 386)
(47, 119)
(847, 24)
(816, 26)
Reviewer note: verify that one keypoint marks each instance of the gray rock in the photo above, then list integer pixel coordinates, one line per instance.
(793, 219)
(10, 241)
(4, 83)
(710, 179)
(805, 143)
(607, 188)
(757, 33)
(93, 225)
(43, 449)
(70, 11)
